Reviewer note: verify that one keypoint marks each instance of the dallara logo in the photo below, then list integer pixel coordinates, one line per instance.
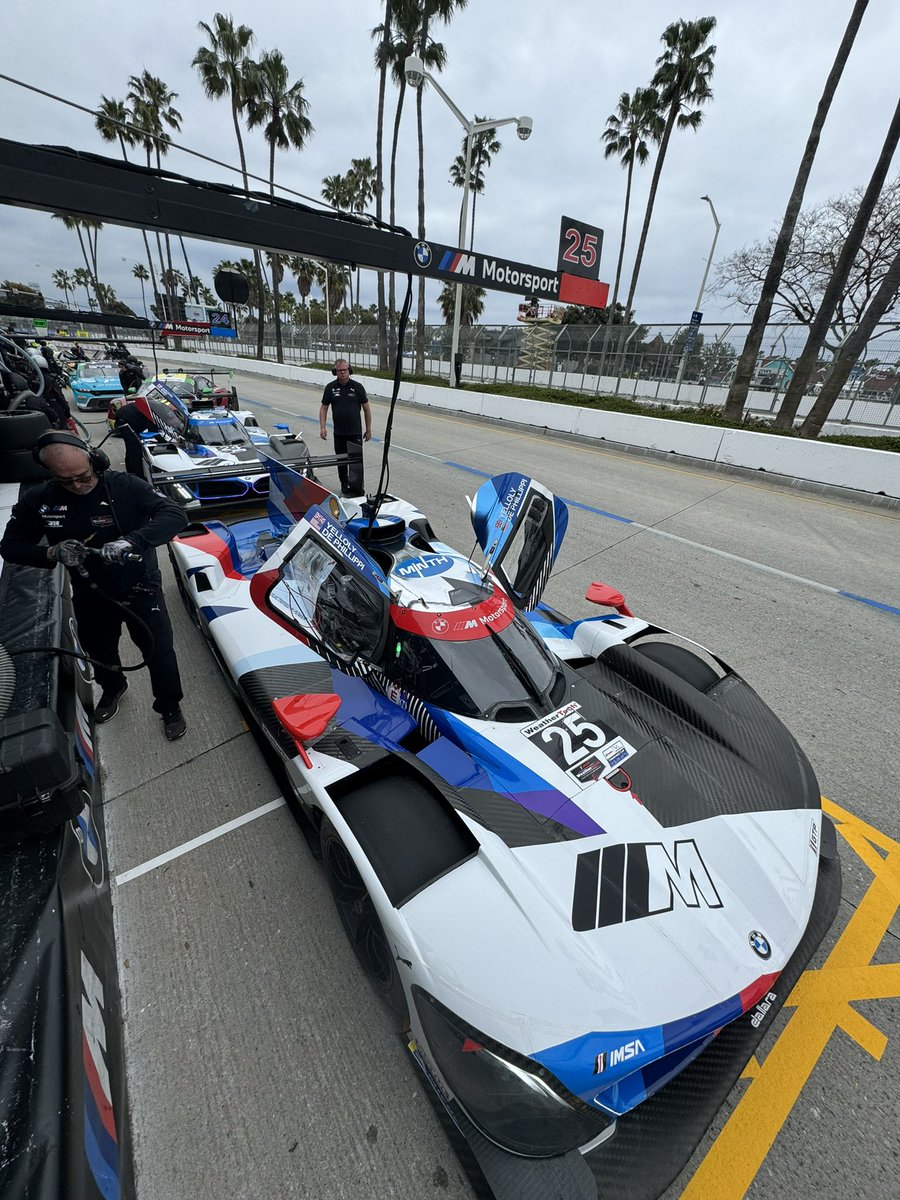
(611, 1058)
(639, 879)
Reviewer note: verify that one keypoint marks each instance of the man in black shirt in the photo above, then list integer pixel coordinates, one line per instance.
(347, 401)
(87, 506)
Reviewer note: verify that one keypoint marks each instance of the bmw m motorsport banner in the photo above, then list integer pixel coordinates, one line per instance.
(62, 1079)
(502, 275)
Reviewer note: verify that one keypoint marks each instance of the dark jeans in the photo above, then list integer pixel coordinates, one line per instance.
(100, 627)
(351, 474)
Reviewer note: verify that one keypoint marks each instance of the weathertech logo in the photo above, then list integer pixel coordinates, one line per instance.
(607, 1059)
(639, 879)
(459, 264)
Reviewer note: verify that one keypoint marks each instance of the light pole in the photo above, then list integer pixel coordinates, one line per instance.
(712, 251)
(415, 76)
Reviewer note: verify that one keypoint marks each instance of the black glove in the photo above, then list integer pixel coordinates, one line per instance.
(70, 553)
(115, 552)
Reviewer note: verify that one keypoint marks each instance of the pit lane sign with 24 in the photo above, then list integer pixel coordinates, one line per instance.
(577, 746)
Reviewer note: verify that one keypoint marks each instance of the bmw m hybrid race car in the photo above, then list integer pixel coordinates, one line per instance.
(215, 462)
(580, 858)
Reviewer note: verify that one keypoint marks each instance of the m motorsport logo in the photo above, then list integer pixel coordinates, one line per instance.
(628, 881)
(497, 273)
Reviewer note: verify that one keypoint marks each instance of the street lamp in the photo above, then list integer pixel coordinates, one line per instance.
(416, 74)
(712, 251)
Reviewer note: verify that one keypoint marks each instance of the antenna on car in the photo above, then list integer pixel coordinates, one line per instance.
(385, 475)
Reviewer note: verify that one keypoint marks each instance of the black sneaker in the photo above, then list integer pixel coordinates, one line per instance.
(108, 705)
(174, 724)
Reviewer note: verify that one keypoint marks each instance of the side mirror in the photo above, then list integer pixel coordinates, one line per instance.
(281, 425)
(306, 717)
(602, 593)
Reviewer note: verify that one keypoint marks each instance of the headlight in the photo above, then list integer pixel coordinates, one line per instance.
(513, 1101)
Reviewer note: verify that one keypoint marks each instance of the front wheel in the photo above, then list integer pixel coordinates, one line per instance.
(360, 920)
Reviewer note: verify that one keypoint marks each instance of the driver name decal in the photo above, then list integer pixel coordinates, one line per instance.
(341, 543)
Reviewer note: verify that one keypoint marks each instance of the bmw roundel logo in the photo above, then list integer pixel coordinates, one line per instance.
(440, 625)
(759, 944)
(422, 254)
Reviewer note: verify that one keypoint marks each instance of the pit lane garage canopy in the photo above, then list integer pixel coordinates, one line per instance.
(57, 179)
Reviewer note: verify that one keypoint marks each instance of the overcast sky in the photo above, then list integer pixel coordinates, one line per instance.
(565, 64)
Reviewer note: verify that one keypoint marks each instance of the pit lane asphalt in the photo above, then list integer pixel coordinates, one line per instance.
(259, 1063)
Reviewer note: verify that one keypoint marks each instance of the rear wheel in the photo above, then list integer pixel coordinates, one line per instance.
(360, 920)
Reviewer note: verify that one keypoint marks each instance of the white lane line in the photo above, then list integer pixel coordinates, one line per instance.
(161, 859)
(747, 562)
(420, 453)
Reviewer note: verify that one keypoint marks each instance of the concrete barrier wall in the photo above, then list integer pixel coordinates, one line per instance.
(875, 471)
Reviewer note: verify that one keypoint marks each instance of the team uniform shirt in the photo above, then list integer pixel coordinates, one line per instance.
(119, 506)
(346, 401)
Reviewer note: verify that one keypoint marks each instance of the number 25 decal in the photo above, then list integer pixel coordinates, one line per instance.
(580, 249)
(577, 738)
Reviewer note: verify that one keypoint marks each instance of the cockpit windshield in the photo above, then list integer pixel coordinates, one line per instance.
(222, 435)
(509, 670)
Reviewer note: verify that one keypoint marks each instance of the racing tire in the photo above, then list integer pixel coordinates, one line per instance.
(20, 430)
(18, 466)
(681, 662)
(360, 920)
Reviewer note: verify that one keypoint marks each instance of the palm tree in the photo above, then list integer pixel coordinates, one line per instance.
(381, 62)
(113, 121)
(361, 188)
(743, 372)
(485, 145)
(152, 106)
(472, 303)
(395, 45)
(88, 231)
(442, 10)
(682, 78)
(225, 71)
(305, 272)
(336, 192)
(636, 121)
(851, 349)
(818, 330)
(81, 277)
(62, 279)
(282, 109)
(141, 274)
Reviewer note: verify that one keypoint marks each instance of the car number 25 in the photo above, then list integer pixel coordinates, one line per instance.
(576, 737)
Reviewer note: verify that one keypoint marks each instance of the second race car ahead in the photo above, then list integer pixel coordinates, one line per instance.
(94, 384)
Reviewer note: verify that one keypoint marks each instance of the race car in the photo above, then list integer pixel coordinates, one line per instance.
(94, 384)
(580, 858)
(201, 390)
(214, 462)
(198, 393)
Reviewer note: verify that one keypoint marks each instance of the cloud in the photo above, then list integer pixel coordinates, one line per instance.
(564, 66)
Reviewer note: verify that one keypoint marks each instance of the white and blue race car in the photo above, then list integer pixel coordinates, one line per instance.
(215, 461)
(581, 859)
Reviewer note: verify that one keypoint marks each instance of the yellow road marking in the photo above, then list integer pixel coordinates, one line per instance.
(822, 1002)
